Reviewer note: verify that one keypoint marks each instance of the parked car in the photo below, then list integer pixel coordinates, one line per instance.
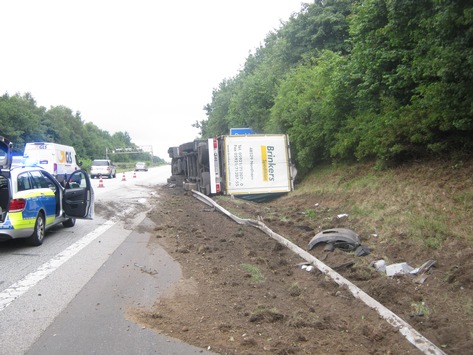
(141, 166)
(103, 167)
(32, 200)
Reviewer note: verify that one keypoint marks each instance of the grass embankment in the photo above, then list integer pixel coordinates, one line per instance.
(428, 202)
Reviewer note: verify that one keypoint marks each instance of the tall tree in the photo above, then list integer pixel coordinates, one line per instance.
(20, 119)
(311, 107)
(410, 69)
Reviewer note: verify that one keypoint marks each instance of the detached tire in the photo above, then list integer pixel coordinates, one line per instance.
(68, 223)
(37, 237)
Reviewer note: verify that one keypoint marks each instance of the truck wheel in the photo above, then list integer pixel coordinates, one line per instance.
(68, 223)
(37, 237)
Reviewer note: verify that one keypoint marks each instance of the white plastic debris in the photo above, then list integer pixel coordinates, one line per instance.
(342, 215)
(307, 267)
(398, 269)
(380, 265)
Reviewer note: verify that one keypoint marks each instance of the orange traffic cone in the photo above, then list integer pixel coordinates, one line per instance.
(101, 182)
(134, 174)
(123, 177)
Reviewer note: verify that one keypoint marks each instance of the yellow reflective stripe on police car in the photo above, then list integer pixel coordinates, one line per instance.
(36, 199)
(18, 222)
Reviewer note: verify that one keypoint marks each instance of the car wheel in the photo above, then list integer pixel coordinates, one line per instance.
(68, 223)
(37, 237)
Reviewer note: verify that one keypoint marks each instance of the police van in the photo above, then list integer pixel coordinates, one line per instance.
(57, 159)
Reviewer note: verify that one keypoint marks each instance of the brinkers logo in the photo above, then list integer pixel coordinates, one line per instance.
(268, 162)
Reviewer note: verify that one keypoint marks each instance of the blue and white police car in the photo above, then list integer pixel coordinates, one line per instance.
(32, 200)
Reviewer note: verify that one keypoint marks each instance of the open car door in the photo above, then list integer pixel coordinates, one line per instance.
(5, 153)
(78, 197)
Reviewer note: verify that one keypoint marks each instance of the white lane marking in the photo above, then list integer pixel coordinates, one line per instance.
(22, 286)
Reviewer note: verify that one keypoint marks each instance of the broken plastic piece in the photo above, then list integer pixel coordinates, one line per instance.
(398, 269)
(362, 250)
(379, 265)
(424, 267)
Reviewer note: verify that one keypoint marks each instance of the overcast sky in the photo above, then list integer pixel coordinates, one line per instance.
(147, 67)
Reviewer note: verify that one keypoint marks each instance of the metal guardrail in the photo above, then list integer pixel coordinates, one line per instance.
(412, 335)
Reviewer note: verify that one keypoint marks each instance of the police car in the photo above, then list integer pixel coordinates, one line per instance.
(32, 200)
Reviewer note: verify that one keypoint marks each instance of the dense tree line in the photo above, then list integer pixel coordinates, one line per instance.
(350, 80)
(23, 121)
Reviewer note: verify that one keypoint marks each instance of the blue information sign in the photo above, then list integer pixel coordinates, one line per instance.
(240, 131)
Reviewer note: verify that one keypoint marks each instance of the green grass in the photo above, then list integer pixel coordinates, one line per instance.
(428, 202)
(310, 213)
(420, 308)
(469, 306)
(254, 271)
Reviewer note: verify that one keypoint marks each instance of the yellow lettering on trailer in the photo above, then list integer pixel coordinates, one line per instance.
(264, 163)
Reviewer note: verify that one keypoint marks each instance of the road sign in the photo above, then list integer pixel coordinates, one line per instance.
(240, 131)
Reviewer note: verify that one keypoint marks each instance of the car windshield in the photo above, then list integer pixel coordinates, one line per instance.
(100, 163)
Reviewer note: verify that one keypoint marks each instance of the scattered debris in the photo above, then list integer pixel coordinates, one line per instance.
(362, 250)
(417, 315)
(404, 269)
(343, 266)
(340, 235)
(424, 267)
(146, 270)
(307, 267)
(420, 279)
(343, 215)
(341, 238)
(398, 269)
(379, 265)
